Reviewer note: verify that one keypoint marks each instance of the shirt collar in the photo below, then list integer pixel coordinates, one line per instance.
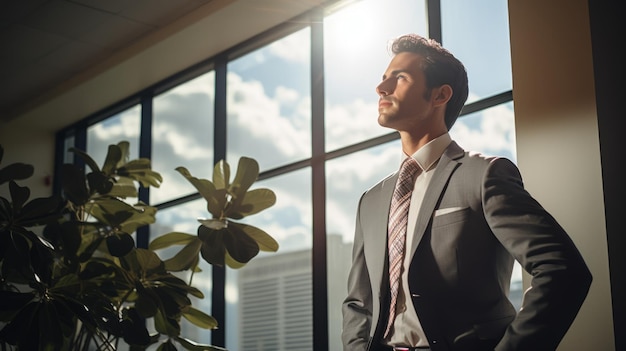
(428, 154)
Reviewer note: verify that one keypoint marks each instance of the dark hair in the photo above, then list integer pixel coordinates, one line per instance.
(440, 67)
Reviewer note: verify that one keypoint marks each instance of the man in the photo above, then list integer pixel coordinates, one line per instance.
(431, 267)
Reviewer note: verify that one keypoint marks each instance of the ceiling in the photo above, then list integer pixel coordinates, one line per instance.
(45, 43)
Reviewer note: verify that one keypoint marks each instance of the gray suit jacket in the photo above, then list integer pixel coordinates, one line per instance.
(476, 218)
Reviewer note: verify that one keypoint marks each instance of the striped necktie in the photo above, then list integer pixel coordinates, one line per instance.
(398, 218)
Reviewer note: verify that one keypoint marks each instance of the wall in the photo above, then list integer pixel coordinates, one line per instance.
(558, 149)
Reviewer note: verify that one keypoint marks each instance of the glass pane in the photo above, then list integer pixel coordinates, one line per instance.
(269, 103)
(355, 58)
(182, 135)
(347, 178)
(492, 132)
(123, 126)
(183, 218)
(68, 142)
(477, 33)
(269, 301)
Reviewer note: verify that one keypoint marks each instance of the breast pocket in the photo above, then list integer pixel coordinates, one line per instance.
(449, 216)
(448, 226)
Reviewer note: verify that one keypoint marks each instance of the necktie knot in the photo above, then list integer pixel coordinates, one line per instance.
(408, 169)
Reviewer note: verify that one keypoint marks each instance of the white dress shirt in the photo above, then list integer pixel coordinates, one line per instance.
(407, 330)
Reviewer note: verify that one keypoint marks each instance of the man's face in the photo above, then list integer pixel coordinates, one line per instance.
(404, 103)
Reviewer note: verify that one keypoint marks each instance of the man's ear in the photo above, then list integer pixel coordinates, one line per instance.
(441, 95)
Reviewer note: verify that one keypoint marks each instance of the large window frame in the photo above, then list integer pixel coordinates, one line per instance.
(77, 134)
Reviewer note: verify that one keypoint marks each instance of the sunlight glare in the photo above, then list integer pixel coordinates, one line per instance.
(350, 30)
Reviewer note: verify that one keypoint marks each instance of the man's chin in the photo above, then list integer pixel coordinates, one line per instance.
(383, 121)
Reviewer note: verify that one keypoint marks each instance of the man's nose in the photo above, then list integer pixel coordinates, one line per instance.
(384, 88)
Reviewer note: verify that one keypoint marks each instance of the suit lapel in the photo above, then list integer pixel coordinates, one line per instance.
(375, 217)
(446, 166)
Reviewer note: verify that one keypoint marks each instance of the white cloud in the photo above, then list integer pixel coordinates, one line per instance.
(257, 126)
(286, 96)
(183, 146)
(293, 48)
(350, 176)
(495, 135)
(352, 122)
(126, 127)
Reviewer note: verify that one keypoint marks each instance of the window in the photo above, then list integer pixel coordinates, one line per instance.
(269, 103)
(182, 135)
(122, 126)
(477, 33)
(256, 100)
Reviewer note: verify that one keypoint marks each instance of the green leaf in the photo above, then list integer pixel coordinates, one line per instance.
(74, 184)
(142, 262)
(51, 325)
(146, 303)
(142, 215)
(41, 211)
(217, 204)
(134, 329)
(140, 170)
(85, 157)
(254, 201)
(165, 325)
(148, 260)
(199, 318)
(67, 281)
(16, 171)
(11, 302)
(214, 223)
(20, 330)
(213, 249)
(125, 149)
(16, 265)
(113, 158)
(99, 182)
(186, 258)
(263, 240)
(19, 194)
(123, 187)
(241, 247)
(221, 175)
(120, 244)
(247, 174)
(232, 263)
(169, 239)
(118, 213)
(204, 187)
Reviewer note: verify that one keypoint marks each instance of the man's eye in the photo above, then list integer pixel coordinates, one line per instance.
(400, 76)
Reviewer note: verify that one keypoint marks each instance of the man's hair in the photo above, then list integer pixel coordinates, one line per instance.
(440, 67)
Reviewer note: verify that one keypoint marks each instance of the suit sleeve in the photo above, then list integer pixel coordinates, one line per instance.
(560, 279)
(357, 306)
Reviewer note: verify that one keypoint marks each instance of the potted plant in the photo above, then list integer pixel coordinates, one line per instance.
(72, 276)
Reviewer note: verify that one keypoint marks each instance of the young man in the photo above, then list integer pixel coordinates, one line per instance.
(432, 258)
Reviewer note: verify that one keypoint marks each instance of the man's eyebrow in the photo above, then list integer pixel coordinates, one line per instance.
(395, 72)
